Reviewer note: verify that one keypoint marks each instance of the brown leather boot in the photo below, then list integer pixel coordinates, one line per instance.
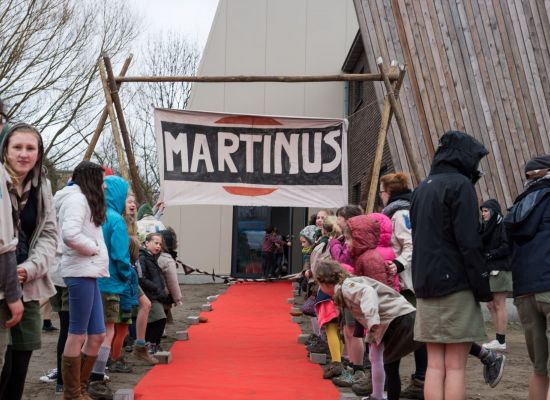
(86, 365)
(70, 367)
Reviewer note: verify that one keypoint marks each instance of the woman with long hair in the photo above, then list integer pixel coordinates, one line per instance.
(80, 213)
(22, 153)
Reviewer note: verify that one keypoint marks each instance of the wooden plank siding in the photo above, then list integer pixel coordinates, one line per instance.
(482, 66)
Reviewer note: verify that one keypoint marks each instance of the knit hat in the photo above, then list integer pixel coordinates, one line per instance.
(144, 209)
(541, 162)
(308, 233)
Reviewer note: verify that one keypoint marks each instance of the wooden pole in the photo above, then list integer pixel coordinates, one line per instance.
(104, 116)
(242, 78)
(114, 126)
(136, 182)
(382, 133)
(416, 175)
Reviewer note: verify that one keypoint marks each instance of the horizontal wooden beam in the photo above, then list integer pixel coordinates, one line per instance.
(243, 78)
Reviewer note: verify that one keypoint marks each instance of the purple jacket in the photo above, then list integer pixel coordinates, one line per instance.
(339, 251)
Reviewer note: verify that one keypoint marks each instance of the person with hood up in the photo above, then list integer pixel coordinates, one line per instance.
(81, 210)
(396, 198)
(116, 290)
(496, 251)
(22, 153)
(362, 237)
(528, 227)
(449, 272)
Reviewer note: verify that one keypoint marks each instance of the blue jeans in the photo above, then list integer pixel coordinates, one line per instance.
(85, 307)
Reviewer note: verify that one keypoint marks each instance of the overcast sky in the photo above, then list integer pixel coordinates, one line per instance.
(191, 17)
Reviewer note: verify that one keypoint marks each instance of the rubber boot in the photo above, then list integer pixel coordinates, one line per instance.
(86, 365)
(70, 367)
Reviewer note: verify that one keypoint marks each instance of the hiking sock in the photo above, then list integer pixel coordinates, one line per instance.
(333, 342)
(475, 350)
(47, 323)
(99, 367)
(501, 338)
(139, 343)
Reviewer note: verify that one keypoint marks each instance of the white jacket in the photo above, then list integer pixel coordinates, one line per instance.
(83, 249)
(373, 304)
(402, 245)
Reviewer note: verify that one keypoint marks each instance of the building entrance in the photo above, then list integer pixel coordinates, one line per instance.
(249, 225)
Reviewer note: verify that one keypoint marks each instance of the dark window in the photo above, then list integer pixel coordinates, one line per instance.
(356, 193)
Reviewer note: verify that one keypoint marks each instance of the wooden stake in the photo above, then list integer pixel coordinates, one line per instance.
(243, 78)
(103, 118)
(387, 113)
(136, 182)
(416, 175)
(114, 125)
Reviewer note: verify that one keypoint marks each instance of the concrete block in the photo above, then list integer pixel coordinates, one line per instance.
(210, 299)
(164, 357)
(124, 394)
(206, 307)
(182, 335)
(302, 338)
(316, 358)
(297, 320)
(193, 320)
(296, 293)
(349, 396)
(291, 300)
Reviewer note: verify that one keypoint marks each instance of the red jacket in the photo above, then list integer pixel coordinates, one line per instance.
(367, 261)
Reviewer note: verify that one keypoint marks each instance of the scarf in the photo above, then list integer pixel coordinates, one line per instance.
(398, 201)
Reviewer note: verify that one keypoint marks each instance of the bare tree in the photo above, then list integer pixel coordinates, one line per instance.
(48, 73)
(165, 54)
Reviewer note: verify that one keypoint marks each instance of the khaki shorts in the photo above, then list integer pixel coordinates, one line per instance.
(111, 307)
(501, 282)
(26, 335)
(534, 314)
(60, 301)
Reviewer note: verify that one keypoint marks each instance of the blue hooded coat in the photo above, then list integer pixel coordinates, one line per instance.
(122, 280)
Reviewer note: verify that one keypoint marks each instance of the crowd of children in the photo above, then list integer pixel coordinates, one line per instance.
(407, 279)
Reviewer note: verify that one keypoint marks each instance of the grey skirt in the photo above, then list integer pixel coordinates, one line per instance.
(455, 318)
(502, 282)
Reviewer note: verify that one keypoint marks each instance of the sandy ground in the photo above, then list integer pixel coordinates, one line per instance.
(513, 385)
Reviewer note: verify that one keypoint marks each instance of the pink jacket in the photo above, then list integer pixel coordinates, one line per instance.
(384, 243)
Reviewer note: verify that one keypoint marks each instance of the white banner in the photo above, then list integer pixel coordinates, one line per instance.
(251, 160)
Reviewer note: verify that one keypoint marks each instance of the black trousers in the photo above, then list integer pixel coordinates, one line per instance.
(14, 372)
(393, 381)
(63, 333)
(154, 331)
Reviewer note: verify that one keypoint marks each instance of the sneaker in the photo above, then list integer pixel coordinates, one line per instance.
(49, 328)
(334, 369)
(415, 390)
(495, 345)
(58, 389)
(493, 370)
(50, 377)
(348, 378)
(363, 387)
(98, 390)
(120, 366)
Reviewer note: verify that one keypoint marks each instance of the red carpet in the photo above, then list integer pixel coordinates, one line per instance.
(247, 350)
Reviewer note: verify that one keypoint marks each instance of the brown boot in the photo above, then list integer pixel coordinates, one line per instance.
(70, 367)
(142, 354)
(86, 365)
